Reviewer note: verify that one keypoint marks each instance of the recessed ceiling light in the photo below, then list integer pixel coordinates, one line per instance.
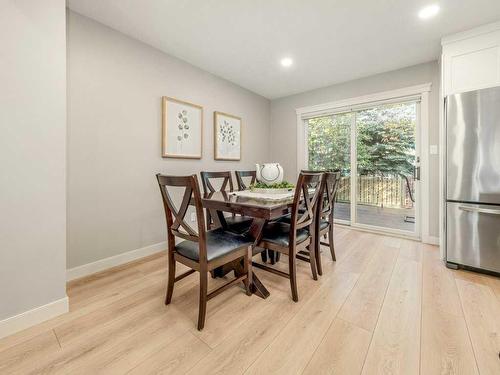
(286, 62)
(429, 11)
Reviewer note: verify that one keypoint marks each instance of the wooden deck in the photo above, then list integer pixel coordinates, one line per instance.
(387, 306)
(393, 218)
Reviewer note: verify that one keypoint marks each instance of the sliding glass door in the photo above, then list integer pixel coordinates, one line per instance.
(329, 145)
(385, 166)
(376, 150)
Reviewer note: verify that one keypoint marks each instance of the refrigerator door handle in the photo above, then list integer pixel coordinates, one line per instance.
(480, 210)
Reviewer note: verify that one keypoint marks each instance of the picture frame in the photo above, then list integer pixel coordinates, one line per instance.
(182, 129)
(227, 136)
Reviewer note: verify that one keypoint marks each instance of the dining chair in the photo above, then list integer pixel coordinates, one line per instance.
(200, 250)
(239, 179)
(237, 224)
(303, 255)
(298, 235)
(325, 215)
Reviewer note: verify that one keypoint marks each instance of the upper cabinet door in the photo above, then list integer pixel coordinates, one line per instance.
(472, 60)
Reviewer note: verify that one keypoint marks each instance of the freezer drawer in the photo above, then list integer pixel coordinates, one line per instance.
(473, 235)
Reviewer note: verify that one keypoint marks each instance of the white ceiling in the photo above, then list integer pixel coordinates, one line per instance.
(330, 41)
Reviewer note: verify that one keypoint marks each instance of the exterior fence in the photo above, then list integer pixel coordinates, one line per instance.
(382, 191)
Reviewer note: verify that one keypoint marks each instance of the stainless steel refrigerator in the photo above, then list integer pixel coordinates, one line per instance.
(473, 179)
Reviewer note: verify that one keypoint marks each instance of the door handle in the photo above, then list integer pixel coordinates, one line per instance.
(480, 210)
(416, 173)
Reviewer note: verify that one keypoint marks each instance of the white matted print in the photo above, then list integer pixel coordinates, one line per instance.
(227, 136)
(182, 129)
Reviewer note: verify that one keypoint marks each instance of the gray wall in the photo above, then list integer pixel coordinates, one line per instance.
(283, 137)
(114, 88)
(32, 154)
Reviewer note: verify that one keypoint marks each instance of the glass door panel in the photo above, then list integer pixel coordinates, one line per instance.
(385, 165)
(329, 148)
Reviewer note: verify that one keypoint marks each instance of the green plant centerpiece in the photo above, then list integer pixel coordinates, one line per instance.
(277, 188)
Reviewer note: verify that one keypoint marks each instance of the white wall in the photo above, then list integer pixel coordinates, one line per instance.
(32, 155)
(283, 138)
(114, 88)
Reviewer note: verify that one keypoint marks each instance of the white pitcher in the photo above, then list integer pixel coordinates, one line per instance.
(269, 173)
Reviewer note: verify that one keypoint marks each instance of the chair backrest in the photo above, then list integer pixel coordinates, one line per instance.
(177, 226)
(208, 188)
(328, 194)
(241, 174)
(306, 197)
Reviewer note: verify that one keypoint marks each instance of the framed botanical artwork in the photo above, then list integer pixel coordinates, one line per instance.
(182, 129)
(227, 136)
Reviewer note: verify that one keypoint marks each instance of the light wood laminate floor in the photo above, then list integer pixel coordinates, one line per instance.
(387, 306)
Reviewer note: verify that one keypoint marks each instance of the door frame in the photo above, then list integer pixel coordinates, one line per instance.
(421, 93)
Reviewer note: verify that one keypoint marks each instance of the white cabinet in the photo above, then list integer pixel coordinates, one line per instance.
(471, 60)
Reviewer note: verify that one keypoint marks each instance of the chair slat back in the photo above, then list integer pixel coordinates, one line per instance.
(239, 178)
(207, 177)
(328, 193)
(306, 197)
(177, 226)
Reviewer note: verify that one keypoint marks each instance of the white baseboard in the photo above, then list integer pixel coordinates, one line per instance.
(431, 240)
(117, 260)
(32, 317)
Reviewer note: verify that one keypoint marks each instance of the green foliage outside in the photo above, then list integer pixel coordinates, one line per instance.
(385, 141)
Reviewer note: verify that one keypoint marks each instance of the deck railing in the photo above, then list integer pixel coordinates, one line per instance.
(383, 191)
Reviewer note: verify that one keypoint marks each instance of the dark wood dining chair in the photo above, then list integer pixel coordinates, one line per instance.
(235, 223)
(200, 250)
(241, 183)
(324, 215)
(303, 255)
(298, 235)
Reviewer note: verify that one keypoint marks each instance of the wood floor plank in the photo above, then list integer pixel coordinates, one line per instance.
(439, 290)
(360, 253)
(300, 337)
(395, 346)
(101, 302)
(424, 318)
(82, 352)
(119, 356)
(411, 249)
(18, 359)
(176, 358)
(342, 351)
(260, 326)
(363, 305)
(479, 278)
(446, 346)
(482, 315)
(239, 350)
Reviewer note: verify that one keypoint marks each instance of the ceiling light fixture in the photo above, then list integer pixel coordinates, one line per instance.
(429, 11)
(286, 62)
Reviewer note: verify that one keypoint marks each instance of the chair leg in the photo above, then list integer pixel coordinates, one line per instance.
(263, 255)
(292, 269)
(312, 257)
(171, 277)
(317, 253)
(277, 256)
(272, 255)
(208, 220)
(203, 299)
(330, 242)
(248, 271)
(317, 249)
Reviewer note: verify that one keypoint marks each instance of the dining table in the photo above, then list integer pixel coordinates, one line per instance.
(262, 208)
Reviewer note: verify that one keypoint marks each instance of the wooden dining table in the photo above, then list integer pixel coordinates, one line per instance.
(261, 210)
